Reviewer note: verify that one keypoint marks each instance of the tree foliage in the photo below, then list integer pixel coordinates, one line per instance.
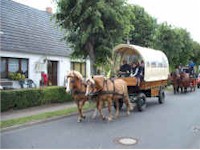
(144, 27)
(166, 39)
(176, 43)
(93, 27)
(195, 55)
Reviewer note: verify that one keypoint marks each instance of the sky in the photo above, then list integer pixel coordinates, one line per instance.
(179, 13)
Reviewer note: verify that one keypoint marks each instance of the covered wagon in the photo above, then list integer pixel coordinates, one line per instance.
(156, 71)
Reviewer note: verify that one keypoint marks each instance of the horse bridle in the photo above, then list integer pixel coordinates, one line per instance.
(93, 86)
(76, 91)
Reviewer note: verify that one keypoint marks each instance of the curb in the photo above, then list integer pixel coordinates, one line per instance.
(39, 122)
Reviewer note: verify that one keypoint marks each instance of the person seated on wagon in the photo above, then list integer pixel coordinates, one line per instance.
(180, 67)
(135, 72)
(191, 67)
(134, 69)
(141, 71)
(125, 69)
(138, 71)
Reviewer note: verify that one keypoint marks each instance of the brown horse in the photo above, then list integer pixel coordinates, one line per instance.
(108, 90)
(176, 82)
(77, 88)
(187, 82)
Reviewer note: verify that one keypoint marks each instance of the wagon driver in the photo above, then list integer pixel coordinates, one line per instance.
(125, 69)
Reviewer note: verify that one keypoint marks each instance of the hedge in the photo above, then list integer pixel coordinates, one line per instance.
(23, 98)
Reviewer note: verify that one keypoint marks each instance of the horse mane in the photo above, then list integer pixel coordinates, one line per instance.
(74, 73)
(90, 80)
(94, 81)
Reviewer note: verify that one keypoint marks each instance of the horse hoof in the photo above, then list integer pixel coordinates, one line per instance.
(103, 118)
(79, 120)
(131, 108)
(83, 117)
(109, 119)
(128, 113)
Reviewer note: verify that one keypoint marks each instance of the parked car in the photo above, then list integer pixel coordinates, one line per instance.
(198, 81)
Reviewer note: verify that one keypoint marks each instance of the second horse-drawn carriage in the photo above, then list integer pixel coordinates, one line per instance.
(155, 77)
(183, 78)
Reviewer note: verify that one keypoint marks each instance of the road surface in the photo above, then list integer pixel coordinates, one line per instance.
(174, 124)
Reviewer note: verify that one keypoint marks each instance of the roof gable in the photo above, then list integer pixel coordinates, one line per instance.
(29, 30)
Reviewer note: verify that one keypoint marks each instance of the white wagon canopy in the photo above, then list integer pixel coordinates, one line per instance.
(156, 63)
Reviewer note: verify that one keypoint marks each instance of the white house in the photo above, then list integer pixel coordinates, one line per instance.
(31, 43)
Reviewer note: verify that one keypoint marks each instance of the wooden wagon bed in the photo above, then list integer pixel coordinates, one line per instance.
(153, 86)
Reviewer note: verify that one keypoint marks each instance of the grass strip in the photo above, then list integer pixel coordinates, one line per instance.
(42, 116)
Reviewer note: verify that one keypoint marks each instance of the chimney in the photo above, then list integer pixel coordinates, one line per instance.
(49, 10)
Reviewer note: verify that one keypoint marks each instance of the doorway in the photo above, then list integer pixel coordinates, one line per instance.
(52, 72)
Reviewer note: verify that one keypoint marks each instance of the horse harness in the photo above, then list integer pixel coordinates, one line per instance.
(79, 92)
(103, 92)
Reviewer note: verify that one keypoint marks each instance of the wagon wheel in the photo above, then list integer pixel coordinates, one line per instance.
(141, 102)
(161, 96)
(120, 104)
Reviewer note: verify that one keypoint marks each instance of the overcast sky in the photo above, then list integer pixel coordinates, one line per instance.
(179, 13)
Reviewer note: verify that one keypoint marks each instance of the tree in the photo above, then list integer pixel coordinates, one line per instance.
(185, 43)
(144, 27)
(195, 52)
(175, 42)
(166, 40)
(93, 27)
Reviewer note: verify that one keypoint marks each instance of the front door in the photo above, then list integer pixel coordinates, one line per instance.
(52, 72)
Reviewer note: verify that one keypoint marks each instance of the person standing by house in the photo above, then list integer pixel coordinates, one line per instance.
(44, 79)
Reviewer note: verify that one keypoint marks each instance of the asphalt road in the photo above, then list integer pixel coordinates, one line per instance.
(174, 124)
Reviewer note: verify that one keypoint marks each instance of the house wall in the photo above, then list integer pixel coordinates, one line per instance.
(63, 65)
(88, 69)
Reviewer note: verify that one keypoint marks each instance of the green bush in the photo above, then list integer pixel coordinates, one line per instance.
(16, 76)
(23, 98)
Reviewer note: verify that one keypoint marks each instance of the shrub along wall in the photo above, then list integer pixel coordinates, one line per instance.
(23, 98)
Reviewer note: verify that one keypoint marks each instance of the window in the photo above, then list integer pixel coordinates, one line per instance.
(148, 64)
(160, 65)
(3, 68)
(24, 67)
(79, 66)
(9, 65)
(13, 65)
(153, 65)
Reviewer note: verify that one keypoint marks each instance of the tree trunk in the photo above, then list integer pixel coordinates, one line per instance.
(90, 48)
